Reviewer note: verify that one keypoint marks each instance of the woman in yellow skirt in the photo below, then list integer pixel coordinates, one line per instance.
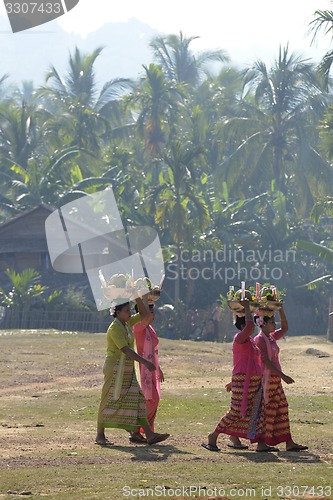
(122, 403)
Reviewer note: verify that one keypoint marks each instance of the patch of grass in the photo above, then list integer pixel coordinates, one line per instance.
(50, 385)
(114, 481)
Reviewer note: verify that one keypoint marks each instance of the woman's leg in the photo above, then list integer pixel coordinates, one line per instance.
(101, 438)
(100, 433)
(237, 443)
(212, 438)
(262, 446)
(136, 436)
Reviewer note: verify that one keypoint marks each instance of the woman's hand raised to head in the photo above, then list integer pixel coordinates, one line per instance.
(246, 304)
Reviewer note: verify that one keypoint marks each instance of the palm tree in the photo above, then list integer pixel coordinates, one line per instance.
(177, 202)
(326, 254)
(276, 134)
(323, 208)
(47, 182)
(323, 21)
(33, 171)
(19, 131)
(82, 112)
(213, 102)
(2, 87)
(155, 101)
(178, 61)
(25, 289)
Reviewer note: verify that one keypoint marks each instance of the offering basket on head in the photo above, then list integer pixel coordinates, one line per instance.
(238, 308)
(264, 302)
(268, 303)
(119, 287)
(112, 292)
(234, 301)
(144, 286)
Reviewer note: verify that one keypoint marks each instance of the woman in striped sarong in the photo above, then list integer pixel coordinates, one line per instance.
(245, 417)
(277, 426)
(122, 403)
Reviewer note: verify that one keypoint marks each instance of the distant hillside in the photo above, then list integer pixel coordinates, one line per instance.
(28, 55)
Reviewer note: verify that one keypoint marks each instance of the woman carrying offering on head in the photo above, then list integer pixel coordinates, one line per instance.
(122, 402)
(245, 417)
(277, 426)
(147, 346)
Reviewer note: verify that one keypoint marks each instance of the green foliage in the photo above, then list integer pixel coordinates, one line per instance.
(74, 299)
(27, 293)
(323, 253)
(240, 158)
(25, 289)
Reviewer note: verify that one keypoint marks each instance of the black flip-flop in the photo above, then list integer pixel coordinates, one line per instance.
(158, 439)
(238, 447)
(137, 438)
(210, 447)
(298, 447)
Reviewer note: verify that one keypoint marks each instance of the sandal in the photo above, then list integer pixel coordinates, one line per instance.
(137, 437)
(268, 450)
(210, 447)
(298, 447)
(158, 438)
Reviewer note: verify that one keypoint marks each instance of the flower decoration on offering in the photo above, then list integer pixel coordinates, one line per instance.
(122, 287)
(269, 302)
(119, 286)
(235, 298)
(154, 290)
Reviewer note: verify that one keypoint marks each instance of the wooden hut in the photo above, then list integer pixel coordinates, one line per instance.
(23, 240)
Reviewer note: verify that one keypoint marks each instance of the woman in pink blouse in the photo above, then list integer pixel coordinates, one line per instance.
(245, 417)
(147, 346)
(277, 426)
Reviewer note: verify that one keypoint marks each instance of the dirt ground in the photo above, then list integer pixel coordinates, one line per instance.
(26, 379)
(308, 360)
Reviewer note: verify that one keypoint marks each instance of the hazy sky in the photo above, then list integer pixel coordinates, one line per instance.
(242, 27)
(245, 29)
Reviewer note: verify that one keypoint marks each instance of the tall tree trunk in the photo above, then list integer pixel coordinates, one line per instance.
(177, 281)
(279, 179)
(330, 321)
(190, 282)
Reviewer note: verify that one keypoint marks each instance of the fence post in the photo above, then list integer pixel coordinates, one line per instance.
(330, 321)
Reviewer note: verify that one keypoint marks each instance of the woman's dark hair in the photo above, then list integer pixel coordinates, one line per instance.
(150, 307)
(240, 322)
(119, 308)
